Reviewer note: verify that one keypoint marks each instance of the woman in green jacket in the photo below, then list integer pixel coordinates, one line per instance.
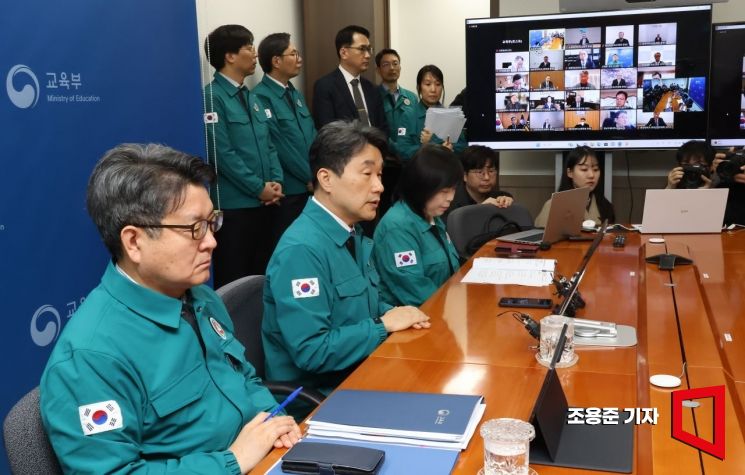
(412, 251)
(430, 85)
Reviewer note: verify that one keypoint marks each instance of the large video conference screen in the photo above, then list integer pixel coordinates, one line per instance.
(610, 80)
(727, 111)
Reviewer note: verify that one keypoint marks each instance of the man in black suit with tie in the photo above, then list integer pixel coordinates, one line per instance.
(546, 64)
(344, 94)
(656, 121)
(547, 83)
(584, 61)
(621, 41)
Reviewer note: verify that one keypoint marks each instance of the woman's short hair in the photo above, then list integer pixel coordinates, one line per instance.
(434, 71)
(432, 169)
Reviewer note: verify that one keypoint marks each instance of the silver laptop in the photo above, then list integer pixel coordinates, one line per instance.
(684, 211)
(564, 219)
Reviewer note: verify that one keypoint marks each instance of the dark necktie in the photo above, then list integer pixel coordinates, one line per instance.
(187, 313)
(242, 98)
(351, 246)
(288, 98)
(433, 229)
(358, 102)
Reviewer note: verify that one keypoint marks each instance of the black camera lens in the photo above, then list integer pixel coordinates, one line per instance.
(692, 177)
(729, 167)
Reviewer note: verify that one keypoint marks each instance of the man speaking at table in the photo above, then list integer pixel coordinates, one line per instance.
(322, 310)
(147, 376)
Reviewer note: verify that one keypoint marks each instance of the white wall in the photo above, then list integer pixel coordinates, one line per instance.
(262, 17)
(433, 32)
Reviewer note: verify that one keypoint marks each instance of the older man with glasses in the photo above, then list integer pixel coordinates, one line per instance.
(148, 376)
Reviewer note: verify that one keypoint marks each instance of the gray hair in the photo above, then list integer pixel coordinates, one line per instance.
(337, 142)
(140, 183)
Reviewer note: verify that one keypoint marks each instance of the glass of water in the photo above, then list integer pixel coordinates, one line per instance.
(550, 332)
(507, 446)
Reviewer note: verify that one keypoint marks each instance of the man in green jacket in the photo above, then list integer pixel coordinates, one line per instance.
(249, 176)
(322, 310)
(147, 376)
(290, 125)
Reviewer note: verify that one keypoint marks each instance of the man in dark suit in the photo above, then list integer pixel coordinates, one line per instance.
(344, 94)
(547, 83)
(619, 81)
(621, 41)
(656, 121)
(546, 64)
(582, 124)
(584, 61)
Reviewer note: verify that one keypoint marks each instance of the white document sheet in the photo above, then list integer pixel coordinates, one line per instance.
(445, 122)
(530, 272)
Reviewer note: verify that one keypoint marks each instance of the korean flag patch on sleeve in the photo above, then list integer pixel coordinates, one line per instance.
(304, 288)
(100, 417)
(405, 259)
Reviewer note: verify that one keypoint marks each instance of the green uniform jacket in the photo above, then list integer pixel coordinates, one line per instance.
(394, 111)
(413, 121)
(292, 131)
(319, 304)
(179, 410)
(411, 261)
(246, 157)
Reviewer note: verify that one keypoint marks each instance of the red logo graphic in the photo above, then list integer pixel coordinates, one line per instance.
(716, 447)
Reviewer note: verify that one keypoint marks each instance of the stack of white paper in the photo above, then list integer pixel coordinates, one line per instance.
(490, 270)
(445, 122)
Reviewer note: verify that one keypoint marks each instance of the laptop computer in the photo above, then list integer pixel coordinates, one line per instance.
(564, 219)
(684, 211)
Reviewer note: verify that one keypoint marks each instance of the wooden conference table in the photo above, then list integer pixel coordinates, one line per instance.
(695, 313)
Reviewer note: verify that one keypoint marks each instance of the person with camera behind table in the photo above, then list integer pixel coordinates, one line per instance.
(700, 167)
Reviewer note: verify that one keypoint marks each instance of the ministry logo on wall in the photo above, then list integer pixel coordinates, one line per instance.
(28, 95)
(62, 87)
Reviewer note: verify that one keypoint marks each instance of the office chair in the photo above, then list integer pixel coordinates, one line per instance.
(26, 443)
(471, 226)
(244, 300)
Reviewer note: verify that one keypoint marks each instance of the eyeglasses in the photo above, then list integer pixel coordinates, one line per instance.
(295, 53)
(392, 64)
(362, 48)
(488, 171)
(198, 229)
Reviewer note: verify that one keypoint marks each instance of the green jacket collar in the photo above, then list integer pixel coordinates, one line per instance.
(275, 88)
(420, 224)
(328, 224)
(159, 308)
(225, 84)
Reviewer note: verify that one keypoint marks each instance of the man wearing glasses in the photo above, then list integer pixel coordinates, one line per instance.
(344, 94)
(249, 176)
(148, 376)
(290, 123)
(480, 180)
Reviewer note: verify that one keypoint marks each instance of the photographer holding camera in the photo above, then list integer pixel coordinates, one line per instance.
(699, 167)
(730, 172)
(695, 159)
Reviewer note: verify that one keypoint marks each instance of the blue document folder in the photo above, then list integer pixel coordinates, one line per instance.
(441, 416)
(398, 458)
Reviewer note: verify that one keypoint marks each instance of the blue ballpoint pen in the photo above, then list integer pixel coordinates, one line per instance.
(284, 404)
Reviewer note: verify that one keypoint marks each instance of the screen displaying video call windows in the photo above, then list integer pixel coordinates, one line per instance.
(727, 111)
(627, 79)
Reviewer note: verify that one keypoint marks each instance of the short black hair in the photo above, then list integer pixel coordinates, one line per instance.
(625, 96)
(226, 39)
(515, 77)
(432, 169)
(695, 149)
(383, 52)
(337, 142)
(345, 36)
(476, 157)
(140, 183)
(271, 46)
